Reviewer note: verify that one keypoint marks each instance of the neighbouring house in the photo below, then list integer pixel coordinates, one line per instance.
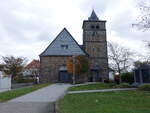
(53, 59)
(32, 69)
(142, 74)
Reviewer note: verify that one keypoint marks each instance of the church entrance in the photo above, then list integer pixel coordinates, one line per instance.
(95, 76)
(64, 76)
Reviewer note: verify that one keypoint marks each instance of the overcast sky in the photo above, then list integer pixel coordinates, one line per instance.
(28, 26)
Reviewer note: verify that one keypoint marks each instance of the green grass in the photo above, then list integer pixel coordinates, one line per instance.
(90, 87)
(4, 96)
(107, 102)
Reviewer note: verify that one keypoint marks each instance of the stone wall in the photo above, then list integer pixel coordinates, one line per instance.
(49, 70)
(96, 49)
(103, 64)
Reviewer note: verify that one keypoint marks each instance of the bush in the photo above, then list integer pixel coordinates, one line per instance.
(127, 77)
(117, 79)
(145, 87)
(123, 85)
(24, 80)
(111, 81)
(106, 80)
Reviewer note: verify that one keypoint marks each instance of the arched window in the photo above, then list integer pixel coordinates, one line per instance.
(97, 27)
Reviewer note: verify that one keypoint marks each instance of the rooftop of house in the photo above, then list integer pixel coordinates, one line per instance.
(63, 45)
(33, 64)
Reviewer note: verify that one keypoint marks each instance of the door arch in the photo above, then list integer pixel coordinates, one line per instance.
(64, 76)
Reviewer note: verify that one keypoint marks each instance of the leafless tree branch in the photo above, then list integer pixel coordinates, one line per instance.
(119, 57)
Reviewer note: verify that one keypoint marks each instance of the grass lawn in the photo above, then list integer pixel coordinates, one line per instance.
(90, 87)
(106, 102)
(4, 96)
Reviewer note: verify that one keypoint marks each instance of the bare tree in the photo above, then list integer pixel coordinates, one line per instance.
(144, 17)
(146, 57)
(120, 58)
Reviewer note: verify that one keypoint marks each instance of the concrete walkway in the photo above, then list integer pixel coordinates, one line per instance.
(40, 101)
(103, 90)
(48, 94)
(26, 107)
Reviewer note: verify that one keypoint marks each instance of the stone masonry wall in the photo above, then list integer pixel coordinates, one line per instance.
(50, 65)
(95, 44)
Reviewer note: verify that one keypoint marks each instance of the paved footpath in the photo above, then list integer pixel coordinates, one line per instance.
(102, 90)
(40, 101)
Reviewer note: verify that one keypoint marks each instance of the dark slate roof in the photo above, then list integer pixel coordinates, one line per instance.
(63, 38)
(81, 46)
(93, 16)
(143, 66)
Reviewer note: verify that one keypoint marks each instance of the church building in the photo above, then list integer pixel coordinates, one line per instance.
(53, 59)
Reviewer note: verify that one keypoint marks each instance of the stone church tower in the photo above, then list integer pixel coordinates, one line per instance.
(95, 44)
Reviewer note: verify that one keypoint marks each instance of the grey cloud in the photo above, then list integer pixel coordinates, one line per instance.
(16, 26)
(27, 26)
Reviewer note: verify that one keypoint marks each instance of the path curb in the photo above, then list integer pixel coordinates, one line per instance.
(103, 90)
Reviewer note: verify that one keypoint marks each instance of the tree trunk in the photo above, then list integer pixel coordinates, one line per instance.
(119, 76)
(119, 71)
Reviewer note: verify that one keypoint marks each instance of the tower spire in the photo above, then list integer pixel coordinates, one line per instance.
(93, 16)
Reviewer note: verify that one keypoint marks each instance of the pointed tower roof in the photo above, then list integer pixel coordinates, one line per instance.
(93, 16)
